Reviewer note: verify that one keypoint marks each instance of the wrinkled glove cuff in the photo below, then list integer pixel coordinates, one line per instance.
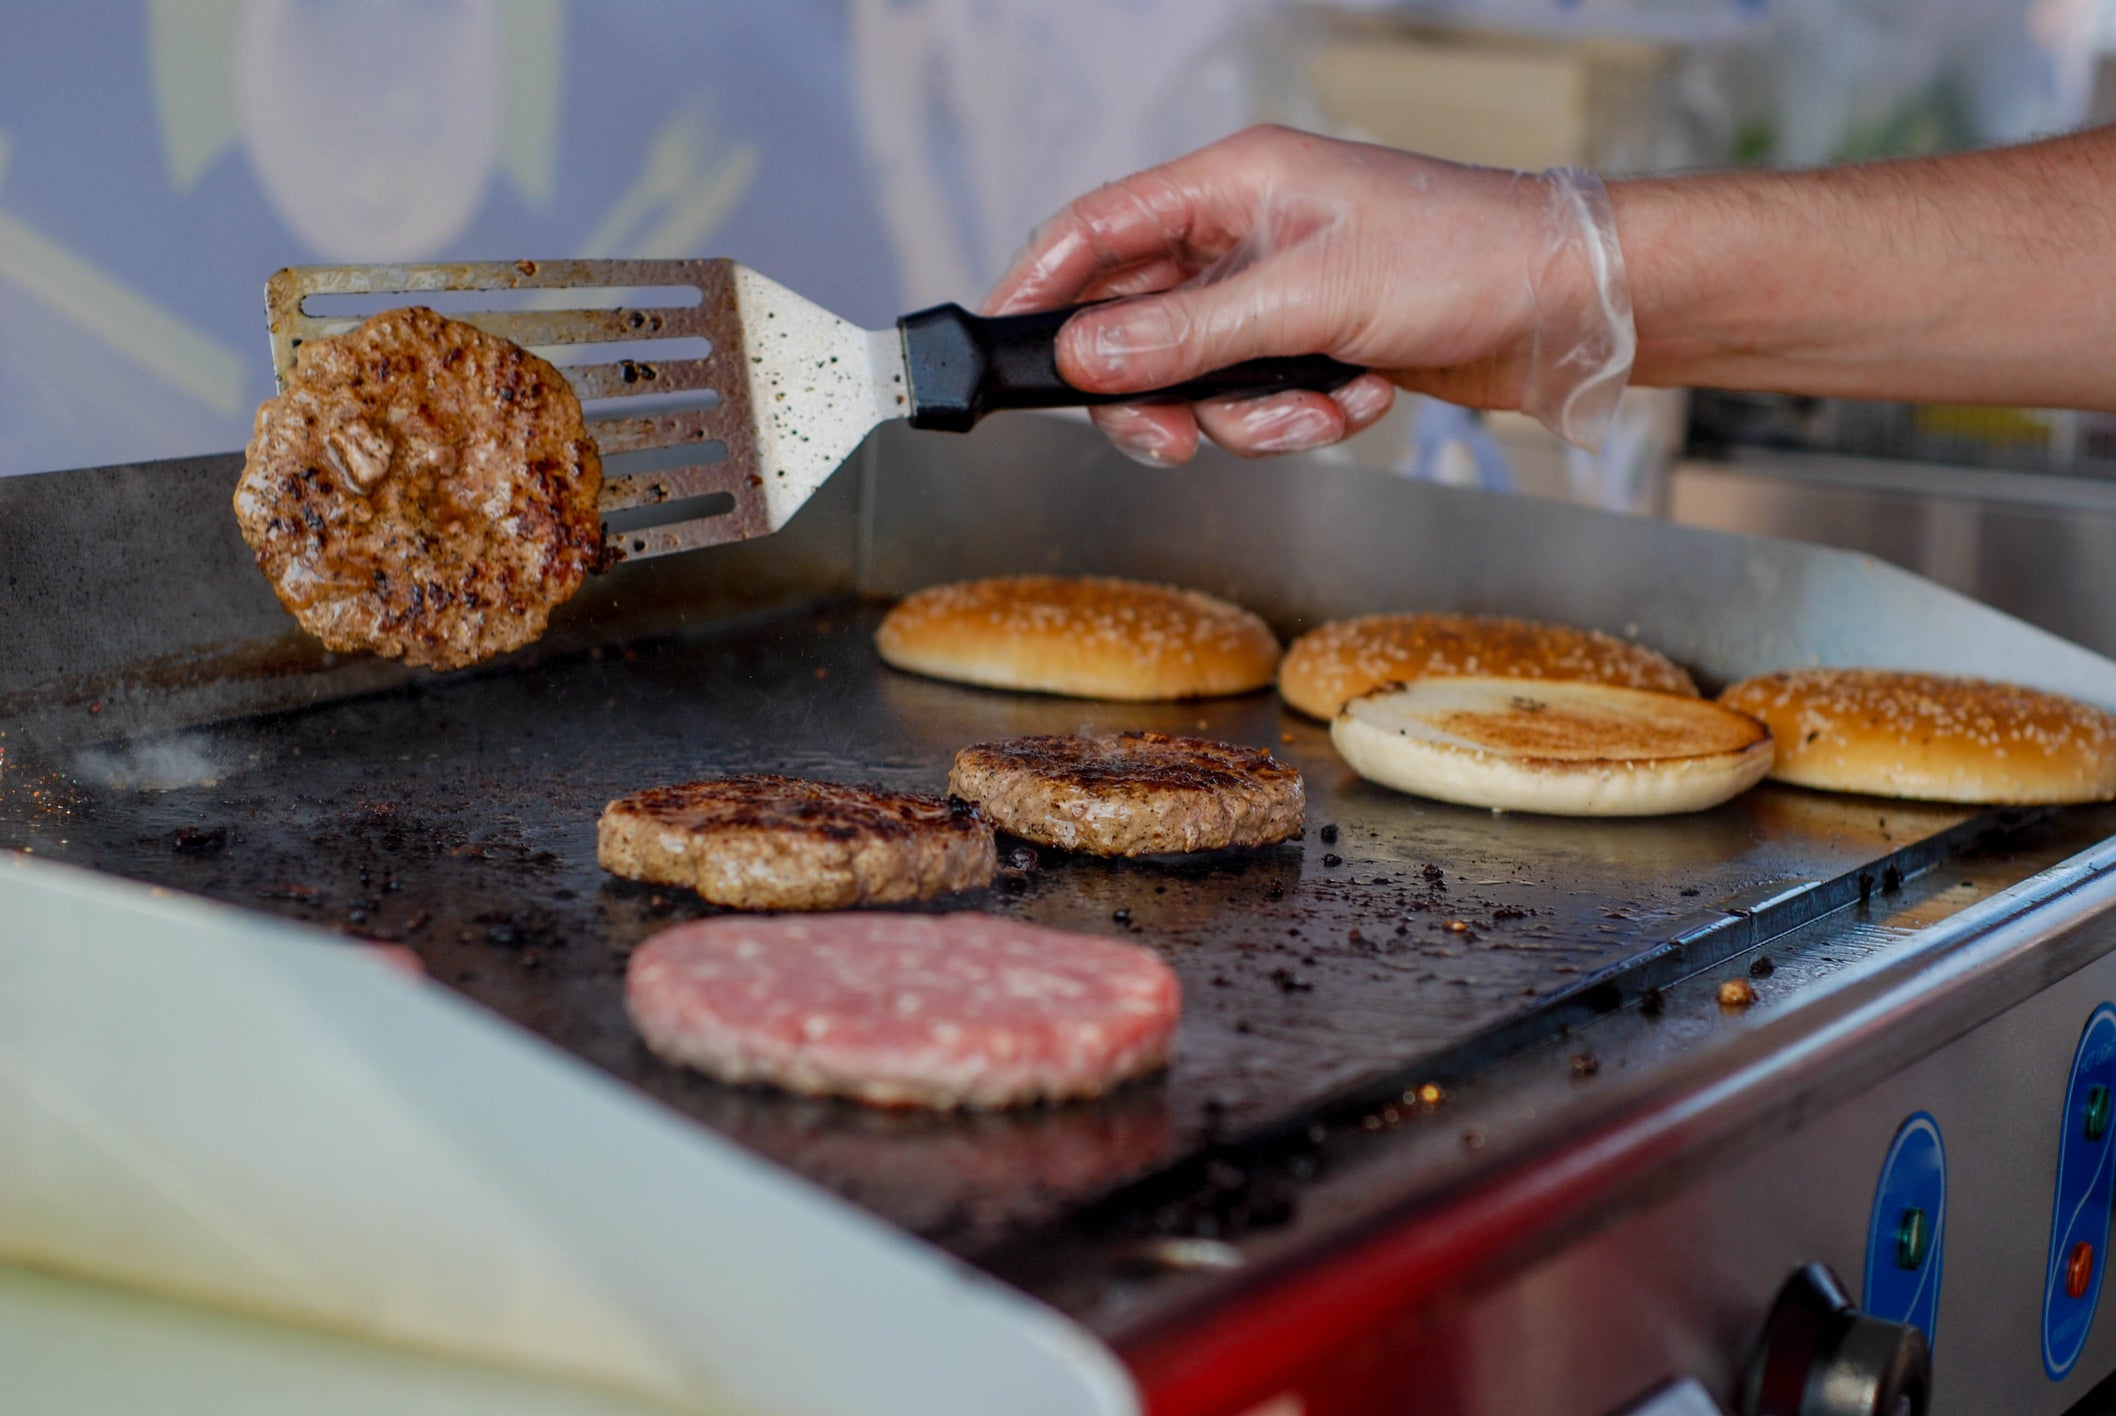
(1585, 339)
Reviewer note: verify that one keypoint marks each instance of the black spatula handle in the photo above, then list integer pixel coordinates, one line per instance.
(963, 366)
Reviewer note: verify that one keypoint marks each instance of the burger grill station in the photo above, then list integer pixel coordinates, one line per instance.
(1470, 1112)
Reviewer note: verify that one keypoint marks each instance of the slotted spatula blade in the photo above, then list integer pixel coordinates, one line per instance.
(724, 443)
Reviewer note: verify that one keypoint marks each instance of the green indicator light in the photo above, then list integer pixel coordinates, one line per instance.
(1913, 1238)
(2097, 1116)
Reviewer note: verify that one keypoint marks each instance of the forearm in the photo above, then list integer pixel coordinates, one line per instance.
(1985, 277)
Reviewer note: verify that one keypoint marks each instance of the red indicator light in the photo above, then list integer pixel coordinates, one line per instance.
(2079, 1270)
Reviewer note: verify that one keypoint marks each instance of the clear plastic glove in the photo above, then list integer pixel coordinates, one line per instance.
(1486, 288)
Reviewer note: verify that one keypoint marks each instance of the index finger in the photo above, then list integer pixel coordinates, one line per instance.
(1175, 212)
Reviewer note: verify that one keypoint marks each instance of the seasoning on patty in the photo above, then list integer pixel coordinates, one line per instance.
(423, 490)
(1132, 793)
(764, 842)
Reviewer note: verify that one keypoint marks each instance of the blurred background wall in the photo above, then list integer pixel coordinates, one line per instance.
(159, 158)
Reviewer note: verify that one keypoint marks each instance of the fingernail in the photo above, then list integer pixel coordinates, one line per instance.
(1365, 400)
(1276, 431)
(1109, 343)
(1142, 454)
(1141, 439)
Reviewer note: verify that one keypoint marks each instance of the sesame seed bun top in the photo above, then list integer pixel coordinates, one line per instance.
(1081, 636)
(1334, 663)
(1931, 738)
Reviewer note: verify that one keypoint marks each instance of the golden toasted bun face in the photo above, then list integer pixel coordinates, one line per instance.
(1334, 663)
(1082, 636)
(1931, 738)
(1562, 748)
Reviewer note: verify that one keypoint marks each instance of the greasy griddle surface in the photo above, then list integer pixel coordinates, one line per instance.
(458, 817)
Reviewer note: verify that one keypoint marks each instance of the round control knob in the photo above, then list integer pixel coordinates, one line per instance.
(1820, 1356)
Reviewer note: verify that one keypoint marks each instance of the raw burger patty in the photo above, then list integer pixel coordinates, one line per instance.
(762, 842)
(905, 1009)
(423, 490)
(1132, 793)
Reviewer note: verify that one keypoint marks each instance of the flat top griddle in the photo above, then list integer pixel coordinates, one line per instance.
(458, 817)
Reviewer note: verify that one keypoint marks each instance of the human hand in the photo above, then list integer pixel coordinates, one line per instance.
(1482, 287)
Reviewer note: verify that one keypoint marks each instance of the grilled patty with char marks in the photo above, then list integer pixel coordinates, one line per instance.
(423, 490)
(765, 842)
(1132, 794)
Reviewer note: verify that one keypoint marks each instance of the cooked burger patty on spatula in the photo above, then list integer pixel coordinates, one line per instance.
(905, 1009)
(1132, 793)
(764, 842)
(423, 490)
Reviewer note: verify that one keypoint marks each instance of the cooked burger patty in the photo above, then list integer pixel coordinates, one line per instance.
(1931, 737)
(905, 1009)
(1132, 794)
(423, 490)
(761, 842)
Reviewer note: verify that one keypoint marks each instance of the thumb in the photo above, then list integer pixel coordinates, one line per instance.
(1152, 341)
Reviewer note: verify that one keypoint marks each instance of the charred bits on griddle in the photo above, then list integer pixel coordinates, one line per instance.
(199, 842)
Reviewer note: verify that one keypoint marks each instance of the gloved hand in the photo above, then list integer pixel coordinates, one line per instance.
(1482, 287)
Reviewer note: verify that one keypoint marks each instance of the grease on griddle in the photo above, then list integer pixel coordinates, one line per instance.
(528, 928)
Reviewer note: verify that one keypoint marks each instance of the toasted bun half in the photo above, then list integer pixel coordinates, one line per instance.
(1334, 663)
(1567, 749)
(1931, 738)
(1082, 636)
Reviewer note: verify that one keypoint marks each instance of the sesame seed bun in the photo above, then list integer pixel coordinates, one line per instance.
(1562, 748)
(1931, 738)
(1334, 663)
(1082, 636)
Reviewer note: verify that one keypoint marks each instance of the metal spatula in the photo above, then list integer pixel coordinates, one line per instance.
(735, 441)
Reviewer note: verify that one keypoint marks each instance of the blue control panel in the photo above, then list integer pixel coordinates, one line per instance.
(1907, 1234)
(2079, 1217)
